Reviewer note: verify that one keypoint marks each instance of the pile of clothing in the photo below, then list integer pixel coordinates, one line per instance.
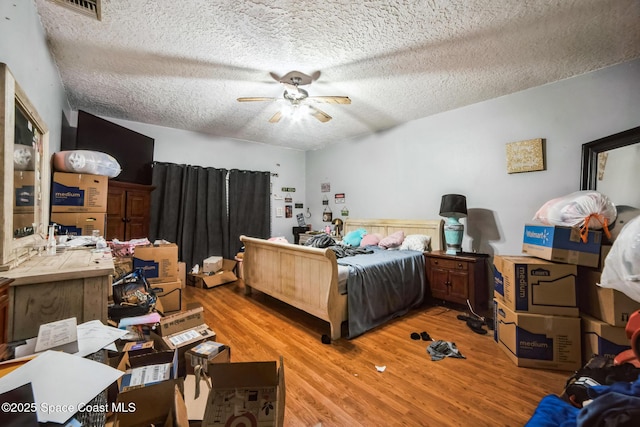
(599, 394)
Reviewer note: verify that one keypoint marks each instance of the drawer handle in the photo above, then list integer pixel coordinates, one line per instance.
(435, 262)
(460, 265)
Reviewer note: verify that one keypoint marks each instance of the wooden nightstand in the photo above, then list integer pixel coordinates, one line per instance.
(456, 278)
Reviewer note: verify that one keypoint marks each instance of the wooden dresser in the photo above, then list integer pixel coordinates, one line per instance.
(4, 311)
(456, 278)
(45, 288)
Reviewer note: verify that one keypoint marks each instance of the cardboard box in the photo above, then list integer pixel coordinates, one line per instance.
(535, 285)
(170, 295)
(143, 370)
(79, 223)
(212, 264)
(24, 192)
(123, 266)
(562, 244)
(183, 341)
(606, 304)
(262, 390)
(210, 280)
(152, 405)
(182, 273)
(203, 353)
(224, 356)
(133, 346)
(159, 263)
(600, 338)
(537, 340)
(191, 317)
(75, 192)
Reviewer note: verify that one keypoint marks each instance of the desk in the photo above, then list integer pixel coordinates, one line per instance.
(48, 288)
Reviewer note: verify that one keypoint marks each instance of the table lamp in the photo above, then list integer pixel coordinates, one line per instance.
(453, 207)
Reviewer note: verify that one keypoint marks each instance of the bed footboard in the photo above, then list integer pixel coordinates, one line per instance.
(301, 276)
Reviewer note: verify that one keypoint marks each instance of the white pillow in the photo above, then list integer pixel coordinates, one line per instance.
(416, 242)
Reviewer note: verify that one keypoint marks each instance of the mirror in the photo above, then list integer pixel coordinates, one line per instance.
(610, 165)
(24, 171)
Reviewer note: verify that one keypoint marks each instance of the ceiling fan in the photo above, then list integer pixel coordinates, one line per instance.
(299, 97)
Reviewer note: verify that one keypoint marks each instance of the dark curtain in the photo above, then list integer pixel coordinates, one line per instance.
(189, 208)
(249, 206)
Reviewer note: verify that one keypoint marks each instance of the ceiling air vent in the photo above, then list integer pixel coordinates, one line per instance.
(86, 7)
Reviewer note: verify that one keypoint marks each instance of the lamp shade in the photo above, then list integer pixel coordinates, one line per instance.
(453, 206)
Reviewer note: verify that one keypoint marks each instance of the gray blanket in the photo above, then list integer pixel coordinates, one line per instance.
(381, 286)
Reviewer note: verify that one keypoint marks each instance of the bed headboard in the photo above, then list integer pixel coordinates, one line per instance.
(384, 227)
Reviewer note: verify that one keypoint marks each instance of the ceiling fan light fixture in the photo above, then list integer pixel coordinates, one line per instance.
(296, 95)
(299, 99)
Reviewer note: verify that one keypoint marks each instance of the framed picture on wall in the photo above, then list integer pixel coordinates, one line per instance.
(525, 156)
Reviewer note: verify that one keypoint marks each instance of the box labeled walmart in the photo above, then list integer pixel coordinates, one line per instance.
(562, 244)
(537, 340)
(534, 285)
(598, 337)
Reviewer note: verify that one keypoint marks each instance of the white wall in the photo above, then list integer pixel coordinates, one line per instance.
(403, 172)
(23, 48)
(177, 146)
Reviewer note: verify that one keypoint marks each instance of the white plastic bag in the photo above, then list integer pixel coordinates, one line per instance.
(622, 266)
(86, 161)
(589, 209)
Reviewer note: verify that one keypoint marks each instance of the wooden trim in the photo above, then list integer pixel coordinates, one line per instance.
(130, 185)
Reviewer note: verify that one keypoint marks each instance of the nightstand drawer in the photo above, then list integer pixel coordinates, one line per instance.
(449, 264)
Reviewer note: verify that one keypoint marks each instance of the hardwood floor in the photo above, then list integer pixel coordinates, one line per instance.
(339, 385)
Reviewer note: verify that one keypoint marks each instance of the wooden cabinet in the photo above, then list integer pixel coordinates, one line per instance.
(456, 278)
(75, 283)
(128, 211)
(4, 310)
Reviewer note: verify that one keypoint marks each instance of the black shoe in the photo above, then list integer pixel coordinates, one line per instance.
(476, 326)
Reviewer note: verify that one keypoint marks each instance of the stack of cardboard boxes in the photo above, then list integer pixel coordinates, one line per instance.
(184, 370)
(537, 314)
(604, 312)
(216, 271)
(79, 203)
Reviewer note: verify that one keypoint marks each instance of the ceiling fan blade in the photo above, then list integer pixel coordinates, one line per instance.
(255, 98)
(276, 117)
(331, 99)
(320, 115)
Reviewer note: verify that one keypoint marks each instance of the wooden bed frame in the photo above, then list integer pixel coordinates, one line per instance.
(307, 277)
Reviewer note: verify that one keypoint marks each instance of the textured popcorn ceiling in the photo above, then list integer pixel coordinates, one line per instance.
(182, 64)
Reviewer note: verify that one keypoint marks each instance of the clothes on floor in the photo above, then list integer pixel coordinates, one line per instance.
(441, 349)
